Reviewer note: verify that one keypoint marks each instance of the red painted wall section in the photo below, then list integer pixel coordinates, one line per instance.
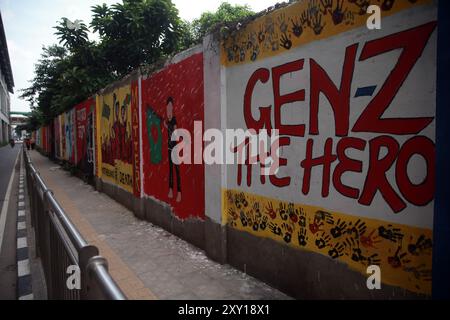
(84, 117)
(183, 84)
(135, 139)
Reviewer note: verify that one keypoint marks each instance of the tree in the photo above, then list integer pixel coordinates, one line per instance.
(137, 32)
(131, 34)
(226, 13)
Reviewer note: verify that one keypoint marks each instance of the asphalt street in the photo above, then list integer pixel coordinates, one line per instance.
(8, 217)
(8, 156)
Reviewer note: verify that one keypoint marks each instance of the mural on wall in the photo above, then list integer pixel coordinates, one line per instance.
(403, 252)
(85, 113)
(357, 137)
(57, 134)
(62, 118)
(136, 138)
(114, 136)
(43, 139)
(69, 133)
(300, 23)
(173, 99)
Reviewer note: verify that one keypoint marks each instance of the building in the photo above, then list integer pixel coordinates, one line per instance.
(6, 87)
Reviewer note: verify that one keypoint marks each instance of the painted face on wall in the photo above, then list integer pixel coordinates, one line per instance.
(124, 114)
(169, 110)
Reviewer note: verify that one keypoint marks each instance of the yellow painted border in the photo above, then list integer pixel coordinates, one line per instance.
(301, 23)
(404, 253)
(102, 124)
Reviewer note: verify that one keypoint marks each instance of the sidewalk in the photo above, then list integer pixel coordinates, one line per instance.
(146, 261)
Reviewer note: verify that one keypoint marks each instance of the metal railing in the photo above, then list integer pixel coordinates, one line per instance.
(60, 245)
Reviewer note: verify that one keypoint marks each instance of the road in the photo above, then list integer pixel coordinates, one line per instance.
(8, 156)
(8, 214)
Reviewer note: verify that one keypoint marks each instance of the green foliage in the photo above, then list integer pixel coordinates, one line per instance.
(131, 34)
(226, 13)
(136, 32)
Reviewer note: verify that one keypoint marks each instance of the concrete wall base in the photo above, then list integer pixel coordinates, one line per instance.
(302, 274)
(191, 230)
(216, 241)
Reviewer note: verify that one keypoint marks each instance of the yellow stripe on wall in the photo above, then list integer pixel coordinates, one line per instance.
(299, 24)
(404, 253)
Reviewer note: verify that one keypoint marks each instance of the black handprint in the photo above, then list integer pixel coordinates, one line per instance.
(398, 259)
(255, 53)
(287, 232)
(363, 6)
(256, 209)
(285, 41)
(358, 229)
(232, 214)
(422, 244)
(338, 14)
(390, 233)
(373, 260)
(275, 229)
(282, 23)
(302, 237)
(323, 241)
(263, 224)
(323, 216)
(336, 251)
(387, 5)
(261, 35)
(297, 28)
(338, 230)
(242, 54)
(305, 18)
(327, 5)
(243, 218)
(349, 18)
(302, 218)
(282, 211)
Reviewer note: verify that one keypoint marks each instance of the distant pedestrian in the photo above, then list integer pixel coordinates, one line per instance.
(32, 143)
(27, 143)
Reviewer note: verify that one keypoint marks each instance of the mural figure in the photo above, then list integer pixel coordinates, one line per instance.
(171, 126)
(118, 146)
(154, 135)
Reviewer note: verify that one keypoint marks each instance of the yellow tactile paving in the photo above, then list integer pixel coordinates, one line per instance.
(127, 280)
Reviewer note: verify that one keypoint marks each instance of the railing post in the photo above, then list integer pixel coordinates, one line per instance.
(101, 285)
(59, 244)
(84, 256)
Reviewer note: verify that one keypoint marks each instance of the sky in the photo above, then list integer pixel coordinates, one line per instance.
(29, 26)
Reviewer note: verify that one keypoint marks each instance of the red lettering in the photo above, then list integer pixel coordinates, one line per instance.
(423, 193)
(412, 42)
(326, 160)
(338, 98)
(262, 75)
(346, 164)
(376, 177)
(285, 181)
(280, 100)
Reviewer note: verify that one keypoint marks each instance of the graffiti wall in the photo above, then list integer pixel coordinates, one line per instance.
(355, 110)
(69, 133)
(57, 135)
(114, 137)
(173, 99)
(85, 116)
